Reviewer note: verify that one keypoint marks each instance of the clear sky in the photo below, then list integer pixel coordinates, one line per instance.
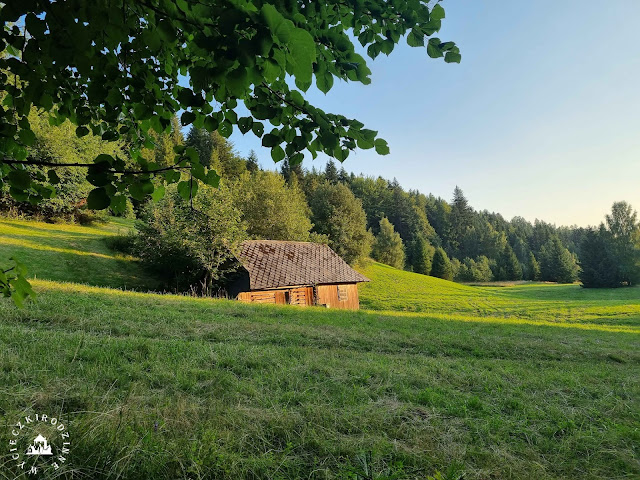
(541, 119)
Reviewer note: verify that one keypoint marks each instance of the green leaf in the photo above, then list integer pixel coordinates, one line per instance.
(152, 39)
(19, 179)
(211, 123)
(437, 13)
(257, 128)
(82, 131)
(433, 51)
(381, 146)
(98, 199)
(270, 140)
(279, 26)
(27, 137)
(296, 98)
(110, 135)
(244, 124)
(118, 204)
(158, 193)
(184, 189)
(277, 153)
(53, 177)
(192, 153)
(212, 178)
(302, 49)
(225, 129)
(415, 39)
(104, 158)
(187, 118)
(452, 57)
(324, 81)
(271, 70)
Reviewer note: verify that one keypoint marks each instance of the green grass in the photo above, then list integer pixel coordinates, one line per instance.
(398, 291)
(533, 381)
(67, 252)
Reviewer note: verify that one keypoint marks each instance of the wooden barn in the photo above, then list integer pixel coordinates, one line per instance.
(295, 273)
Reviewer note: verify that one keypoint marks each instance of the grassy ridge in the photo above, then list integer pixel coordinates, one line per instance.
(163, 386)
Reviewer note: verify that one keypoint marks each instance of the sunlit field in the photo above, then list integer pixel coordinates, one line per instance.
(530, 381)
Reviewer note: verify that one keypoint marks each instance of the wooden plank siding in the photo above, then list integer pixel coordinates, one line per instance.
(342, 296)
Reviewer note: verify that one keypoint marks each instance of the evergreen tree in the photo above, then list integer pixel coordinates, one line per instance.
(388, 247)
(331, 172)
(533, 268)
(201, 140)
(420, 255)
(508, 265)
(289, 171)
(441, 267)
(557, 264)
(598, 262)
(252, 162)
(343, 176)
(460, 220)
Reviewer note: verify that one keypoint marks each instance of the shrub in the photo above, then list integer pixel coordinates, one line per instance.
(192, 248)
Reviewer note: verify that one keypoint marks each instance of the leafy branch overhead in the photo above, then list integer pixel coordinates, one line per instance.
(118, 69)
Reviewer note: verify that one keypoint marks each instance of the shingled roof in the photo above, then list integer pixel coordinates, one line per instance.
(275, 263)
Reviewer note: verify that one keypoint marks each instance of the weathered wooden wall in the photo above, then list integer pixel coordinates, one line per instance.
(344, 296)
(302, 296)
(328, 296)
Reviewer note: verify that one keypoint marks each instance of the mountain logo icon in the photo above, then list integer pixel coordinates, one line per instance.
(39, 447)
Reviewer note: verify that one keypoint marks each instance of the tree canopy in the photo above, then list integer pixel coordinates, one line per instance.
(119, 71)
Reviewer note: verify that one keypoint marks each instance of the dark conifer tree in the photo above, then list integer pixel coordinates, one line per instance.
(289, 170)
(252, 162)
(420, 255)
(598, 263)
(343, 176)
(557, 264)
(460, 220)
(441, 267)
(331, 172)
(201, 140)
(508, 265)
(533, 268)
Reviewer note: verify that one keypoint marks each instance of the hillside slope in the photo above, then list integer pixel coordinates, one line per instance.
(399, 291)
(72, 253)
(165, 386)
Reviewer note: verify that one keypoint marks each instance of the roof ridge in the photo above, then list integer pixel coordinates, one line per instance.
(285, 241)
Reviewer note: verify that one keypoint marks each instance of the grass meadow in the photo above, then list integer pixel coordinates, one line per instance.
(530, 381)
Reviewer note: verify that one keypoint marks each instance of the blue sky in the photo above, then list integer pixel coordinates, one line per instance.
(541, 119)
